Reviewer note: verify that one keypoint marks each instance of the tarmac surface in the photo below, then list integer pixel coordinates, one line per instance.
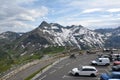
(61, 70)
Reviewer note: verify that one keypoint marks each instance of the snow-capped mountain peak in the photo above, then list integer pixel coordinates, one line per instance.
(73, 35)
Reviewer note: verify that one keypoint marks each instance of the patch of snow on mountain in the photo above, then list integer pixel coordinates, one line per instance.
(65, 34)
(108, 34)
(46, 31)
(54, 27)
(83, 31)
(75, 41)
(2, 37)
(118, 35)
(45, 27)
(59, 41)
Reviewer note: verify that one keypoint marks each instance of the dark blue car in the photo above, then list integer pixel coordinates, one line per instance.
(110, 76)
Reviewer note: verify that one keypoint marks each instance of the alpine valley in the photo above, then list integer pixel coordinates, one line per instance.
(50, 38)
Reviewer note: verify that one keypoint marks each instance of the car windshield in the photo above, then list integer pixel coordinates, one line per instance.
(97, 60)
(116, 76)
(80, 68)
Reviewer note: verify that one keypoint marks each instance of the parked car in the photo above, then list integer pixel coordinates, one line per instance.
(116, 68)
(114, 49)
(106, 50)
(106, 56)
(110, 76)
(116, 63)
(117, 59)
(101, 61)
(84, 71)
(116, 56)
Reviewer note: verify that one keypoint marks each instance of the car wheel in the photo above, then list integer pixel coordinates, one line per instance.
(107, 64)
(76, 74)
(93, 75)
(101, 79)
(94, 64)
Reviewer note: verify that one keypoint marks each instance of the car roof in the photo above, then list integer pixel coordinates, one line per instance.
(88, 67)
(105, 55)
(104, 58)
(116, 73)
(115, 54)
(117, 62)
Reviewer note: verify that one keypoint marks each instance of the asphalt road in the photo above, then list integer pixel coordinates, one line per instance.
(30, 70)
(60, 70)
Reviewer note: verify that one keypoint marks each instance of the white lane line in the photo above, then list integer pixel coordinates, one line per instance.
(109, 67)
(43, 77)
(67, 64)
(61, 66)
(73, 61)
(52, 71)
(65, 76)
(97, 78)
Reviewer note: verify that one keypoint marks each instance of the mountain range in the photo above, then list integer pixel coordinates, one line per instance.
(112, 37)
(53, 34)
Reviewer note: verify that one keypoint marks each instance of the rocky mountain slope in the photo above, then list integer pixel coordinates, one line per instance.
(50, 38)
(53, 34)
(112, 37)
(77, 36)
(8, 37)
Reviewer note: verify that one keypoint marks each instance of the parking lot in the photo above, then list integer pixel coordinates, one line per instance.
(61, 70)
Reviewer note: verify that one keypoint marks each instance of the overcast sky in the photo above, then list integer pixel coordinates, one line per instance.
(25, 15)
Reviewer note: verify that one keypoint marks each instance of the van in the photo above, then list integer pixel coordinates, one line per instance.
(101, 61)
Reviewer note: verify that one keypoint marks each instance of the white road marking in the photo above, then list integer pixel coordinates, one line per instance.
(65, 76)
(61, 66)
(56, 67)
(67, 64)
(73, 61)
(43, 77)
(98, 79)
(52, 71)
(109, 67)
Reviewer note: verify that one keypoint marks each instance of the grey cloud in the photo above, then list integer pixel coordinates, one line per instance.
(13, 14)
(15, 26)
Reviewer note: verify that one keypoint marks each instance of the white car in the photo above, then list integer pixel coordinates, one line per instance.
(84, 71)
(101, 61)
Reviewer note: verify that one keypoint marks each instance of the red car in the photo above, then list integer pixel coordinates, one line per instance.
(116, 63)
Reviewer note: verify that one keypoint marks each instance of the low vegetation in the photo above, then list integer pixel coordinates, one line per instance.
(35, 73)
(10, 58)
(52, 50)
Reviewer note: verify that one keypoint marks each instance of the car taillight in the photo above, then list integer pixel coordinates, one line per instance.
(96, 72)
(114, 64)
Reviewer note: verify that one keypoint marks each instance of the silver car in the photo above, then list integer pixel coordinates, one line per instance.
(84, 71)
